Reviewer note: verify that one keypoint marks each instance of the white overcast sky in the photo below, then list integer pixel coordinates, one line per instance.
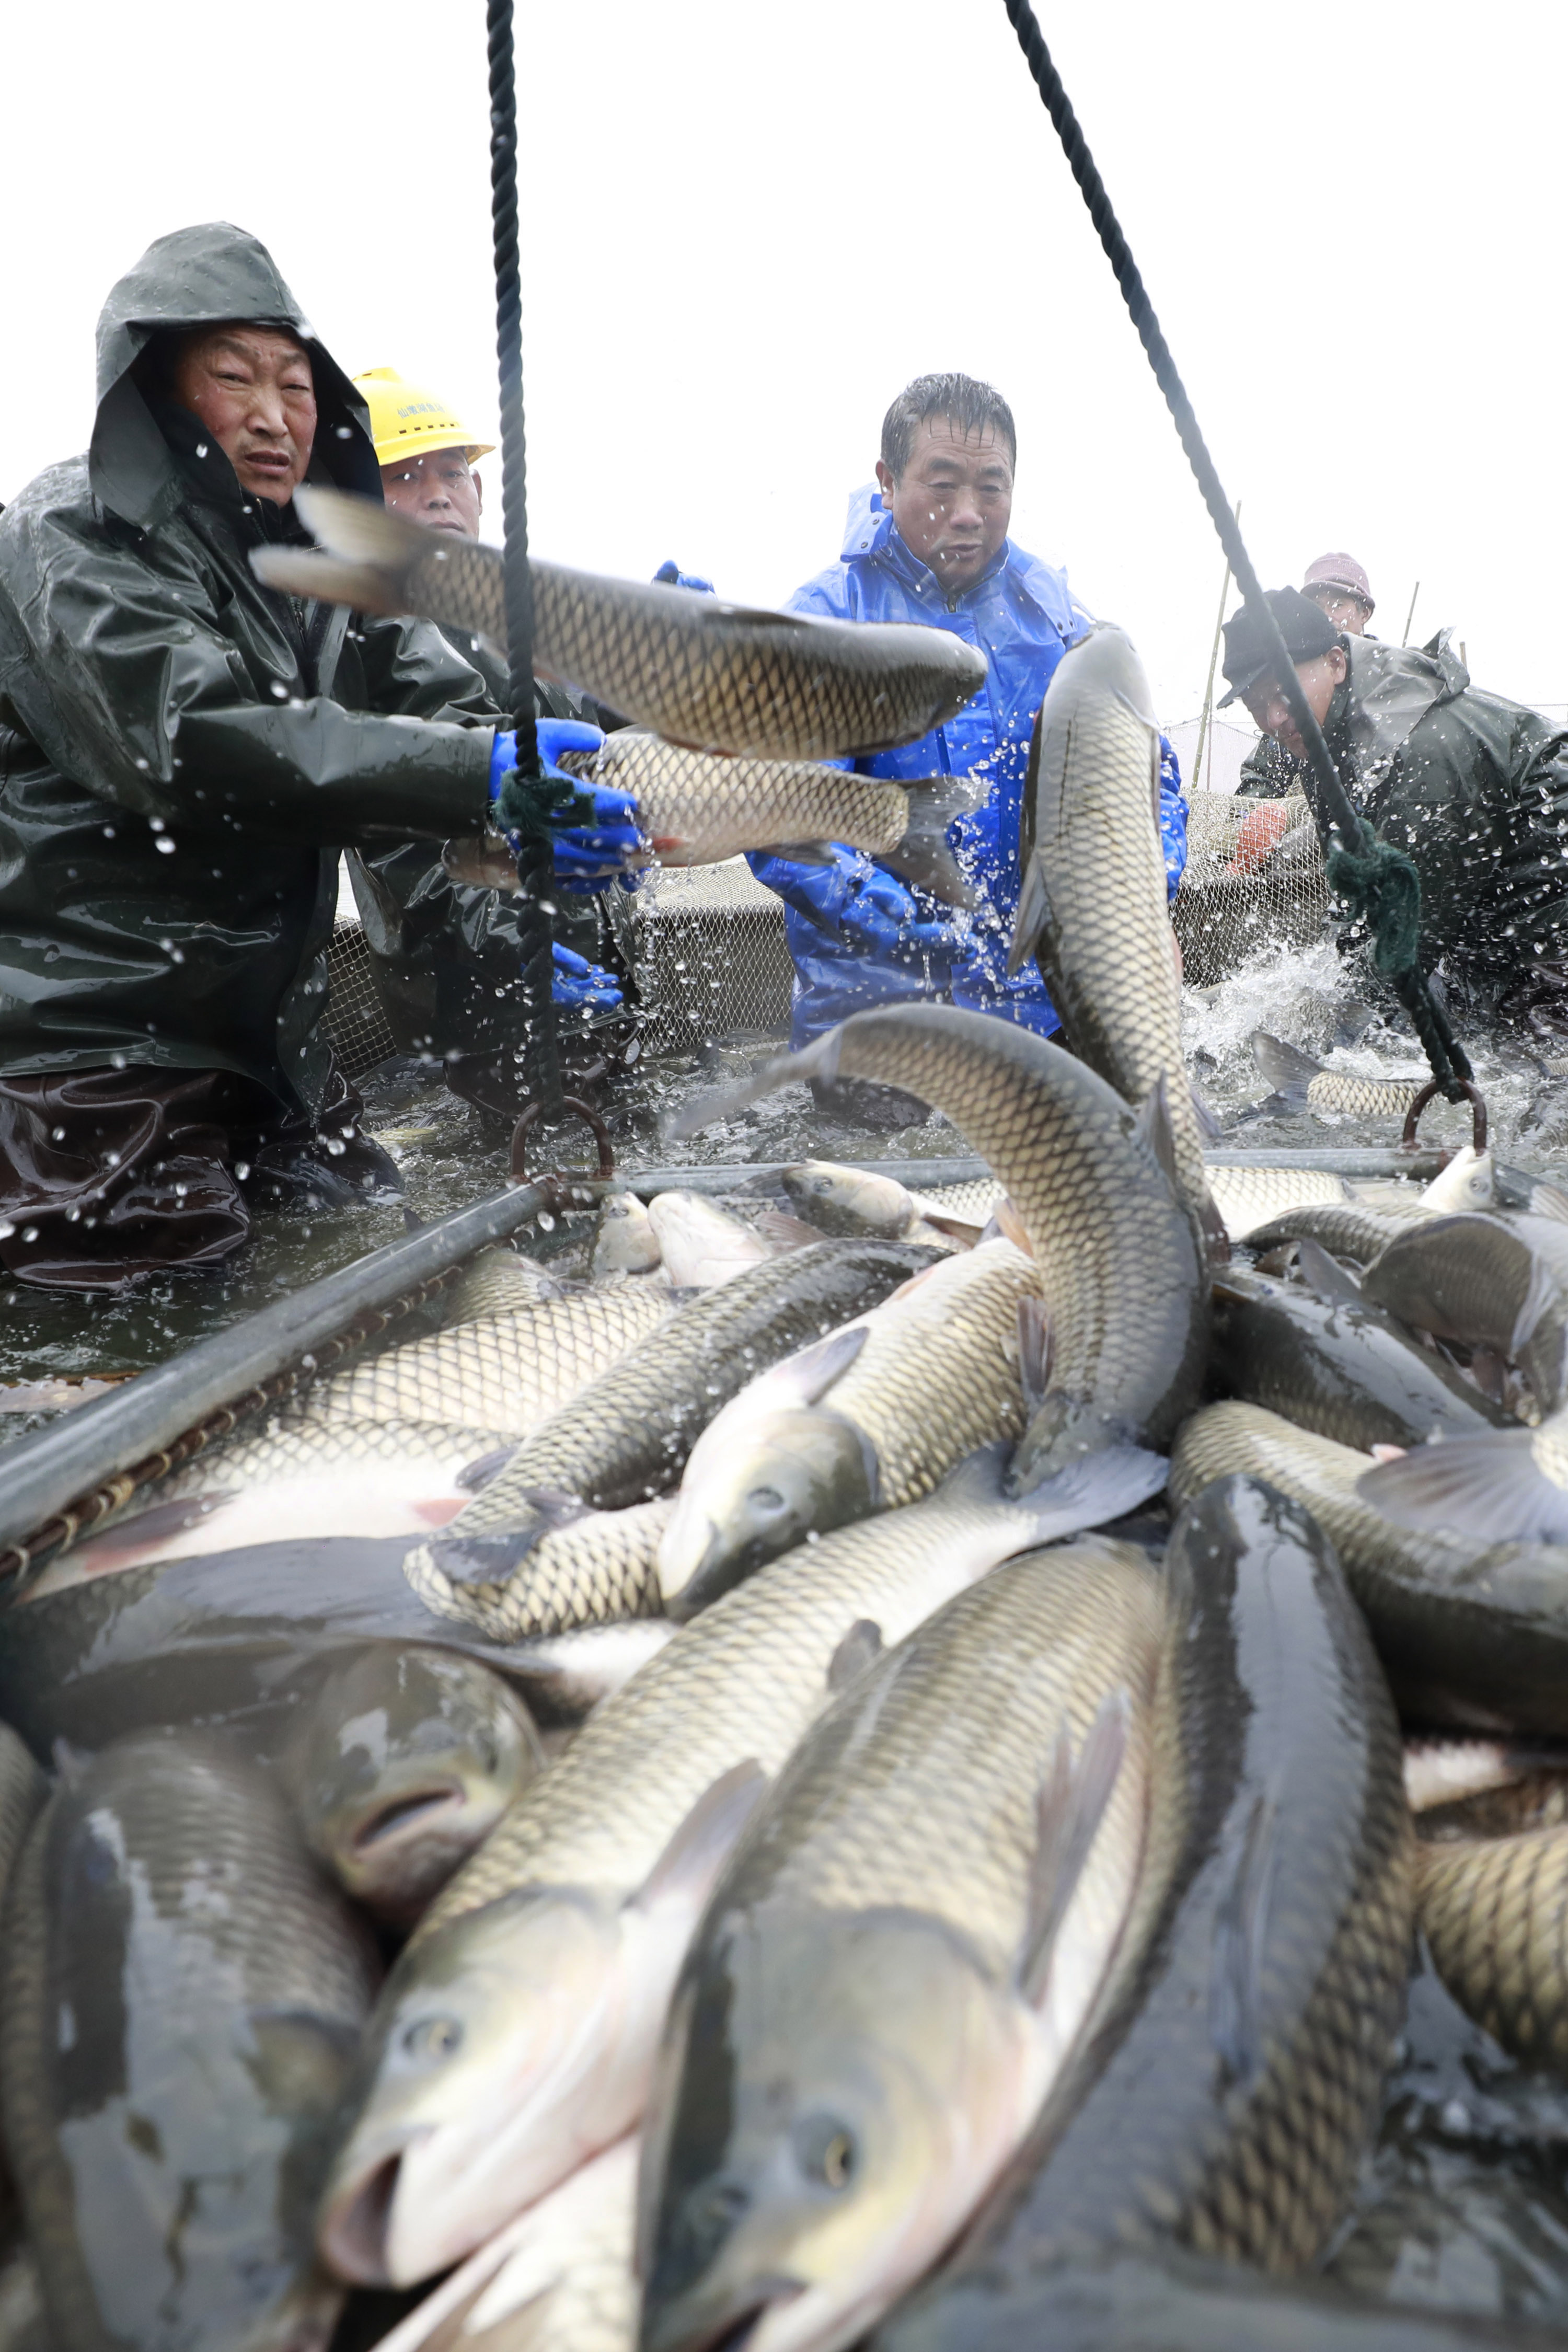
(746, 225)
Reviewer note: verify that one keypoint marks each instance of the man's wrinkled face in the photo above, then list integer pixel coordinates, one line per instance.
(440, 490)
(954, 501)
(1271, 712)
(1346, 611)
(253, 389)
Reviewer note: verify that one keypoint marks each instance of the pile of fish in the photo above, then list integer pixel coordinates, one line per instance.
(866, 1767)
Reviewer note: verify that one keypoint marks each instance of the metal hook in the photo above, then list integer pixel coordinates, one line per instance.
(1478, 1106)
(559, 1177)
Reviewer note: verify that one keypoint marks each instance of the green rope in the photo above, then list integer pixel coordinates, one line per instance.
(1381, 885)
(535, 806)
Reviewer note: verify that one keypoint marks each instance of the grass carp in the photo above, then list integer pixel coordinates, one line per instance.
(1345, 1372)
(701, 1244)
(717, 677)
(901, 1957)
(1249, 1197)
(624, 1437)
(696, 808)
(1227, 2096)
(1472, 1638)
(1126, 1293)
(183, 1992)
(497, 1282)
(517, 2029)
(1352, 1229)
(1494, 1911)
(558, 2279)
(871, 1417)
(507, 1372)
(405, 1762)
(839, 1200)
(625, 1242)
(595, 1572)
(1301, 1084)
(1092, 908)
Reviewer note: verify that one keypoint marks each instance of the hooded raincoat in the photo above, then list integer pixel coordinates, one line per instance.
(1023, 617)
(1476, 789)
(182, 752)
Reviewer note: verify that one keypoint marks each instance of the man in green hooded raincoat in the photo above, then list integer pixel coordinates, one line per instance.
(183, 753)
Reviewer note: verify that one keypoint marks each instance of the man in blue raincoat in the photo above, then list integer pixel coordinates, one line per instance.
(930, 545)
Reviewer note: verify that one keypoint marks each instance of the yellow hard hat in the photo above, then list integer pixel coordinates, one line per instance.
(406, 421)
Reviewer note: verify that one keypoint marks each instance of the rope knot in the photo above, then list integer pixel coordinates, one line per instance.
(535, 806)
(1381, 885)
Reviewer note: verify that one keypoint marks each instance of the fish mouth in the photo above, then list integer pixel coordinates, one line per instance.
(414, 1811)
(356, 2226)
(728, 2330)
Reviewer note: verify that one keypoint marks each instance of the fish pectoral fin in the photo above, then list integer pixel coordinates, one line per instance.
(474, 1476)
(1289, 1073)
(1332, 1282)
(1241, 1925)
(861, 1647)
(1010, 1224)
(699, 1847)
(1488, 1487)
(1069, 1813)
(1032, 919)
(784, 1232)
(814, 1370)
(1153, 1125)
(1033, 1352)
(801, 852)
(1209, 1124)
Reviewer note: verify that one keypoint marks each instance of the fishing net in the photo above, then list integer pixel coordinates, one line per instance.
(1241, 892)
(355, 1023)
(705, 945)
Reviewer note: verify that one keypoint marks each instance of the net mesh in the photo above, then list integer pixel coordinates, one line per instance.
(1240, 893)
(705, 945)
(356, 1024)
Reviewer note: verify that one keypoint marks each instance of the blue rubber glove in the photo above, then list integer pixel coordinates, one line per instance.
(880, 914)
(671, 575)
(578, 982)
(587, 857)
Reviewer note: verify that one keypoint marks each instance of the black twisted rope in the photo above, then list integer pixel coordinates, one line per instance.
(1379, 881)
(527, 798)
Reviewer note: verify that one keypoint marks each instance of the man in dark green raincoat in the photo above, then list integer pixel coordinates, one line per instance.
(1475, 788)
(183, 755)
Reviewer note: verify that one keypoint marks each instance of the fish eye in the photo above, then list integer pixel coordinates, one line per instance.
(825, 2150)
(432, 2037)
(765, 1498)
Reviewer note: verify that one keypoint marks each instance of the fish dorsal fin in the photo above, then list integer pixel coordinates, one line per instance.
(861, 1647)
(1069, 1810)
(699, 1847)
(1241, 1927)
(782, 1231)
(1215, 1231)
(1034, 1350)
(1210, 1126)
(1325, 1275)
(814, 1370)
(1153, 1127)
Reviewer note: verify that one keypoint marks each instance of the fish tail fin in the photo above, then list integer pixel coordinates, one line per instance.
(1491, 1487)
(1095, 1488)
(817, 1060)
(1288, 1072)
(924, 857)
(303, 572)
(362, 530)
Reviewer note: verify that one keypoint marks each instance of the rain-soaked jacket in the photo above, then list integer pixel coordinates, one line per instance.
(182, 752)
(1475, 788)
(1023, 616)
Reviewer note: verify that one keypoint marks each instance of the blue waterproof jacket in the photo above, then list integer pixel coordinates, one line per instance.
(1023, 616)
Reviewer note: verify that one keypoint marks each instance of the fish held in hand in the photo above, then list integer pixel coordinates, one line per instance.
(183, 1994)
(698, 671)
(406, 1761)
(517, 2031)
(1126, 1292)
(1092, 906)
(869, 1418)
(901, 1957)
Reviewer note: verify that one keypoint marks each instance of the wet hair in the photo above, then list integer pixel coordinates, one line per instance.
(970, 406)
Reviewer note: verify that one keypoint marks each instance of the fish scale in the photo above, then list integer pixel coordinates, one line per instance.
(505, 1371)
(1092, 904)
(1495, 1912)
(297, 1448)
(594, 1572)
(921, 1791)
(702, 672)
